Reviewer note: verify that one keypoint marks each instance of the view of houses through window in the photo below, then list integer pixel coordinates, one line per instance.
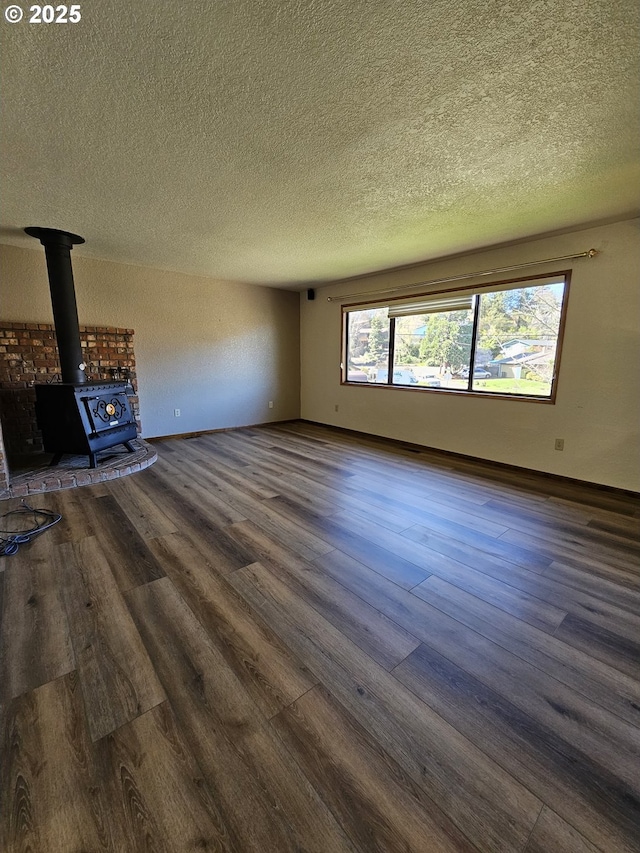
(503, 341)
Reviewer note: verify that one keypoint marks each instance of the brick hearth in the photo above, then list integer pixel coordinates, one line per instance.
(72, 470)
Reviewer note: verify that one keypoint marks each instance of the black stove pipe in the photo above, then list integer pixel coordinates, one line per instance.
(57, 246)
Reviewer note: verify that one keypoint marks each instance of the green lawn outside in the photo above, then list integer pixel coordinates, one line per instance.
(506, 386)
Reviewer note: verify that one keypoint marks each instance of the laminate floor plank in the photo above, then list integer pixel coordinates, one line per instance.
(194, 521)
(433, 498)
(269, 672)
(507, 558)
(590, 605)
(337, 536)
(124, 548)
(313, 466)
(342, 502)
(118, 680)
(50, 801)
(551, 489)
(552, 833)
(351, 500)
(303, 540)
(583, 493)
(136, 789)
(251, 775)
(188, 482)
(309, 463)
(604, 809)
(378, 805)
(72, 506)
(304, 437)
(421, 483)
(286, 454)
(602, 615)
(9, 504)
(529, 608)
(251, 449)
(604, 645)
(213, 450)
(262, 513)
(277, 436)
(35, 643)
(434, 466)
(336, 441)
(431, 529)
(575, 668)
(243, 478)
(582, 723)
(556, 528)
(290, 486)
(622, 595)
(276, 479)
(623, 527)
(408, 478)
(619, 504)
(370, 497)
(144, 514)
(1, 605)
(511, 482)
(18, 523)
(155, 786)
(379, 498)
(540, 507)
(494, 811)
(608, 687)
(288, 432)
(608, 563)
(293, 637)
(381, 638)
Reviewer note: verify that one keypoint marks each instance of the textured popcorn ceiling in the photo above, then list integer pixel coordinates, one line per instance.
(291, 142)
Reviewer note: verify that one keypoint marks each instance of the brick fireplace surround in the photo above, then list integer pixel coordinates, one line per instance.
(29, 355)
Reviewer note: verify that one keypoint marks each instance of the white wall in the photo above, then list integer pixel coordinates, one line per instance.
(597, 407)
(218, 351)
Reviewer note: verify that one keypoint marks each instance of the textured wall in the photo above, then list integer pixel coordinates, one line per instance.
(597, 407)
(219, 352)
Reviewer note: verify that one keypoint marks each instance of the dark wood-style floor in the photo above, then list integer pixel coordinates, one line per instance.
(290, 638)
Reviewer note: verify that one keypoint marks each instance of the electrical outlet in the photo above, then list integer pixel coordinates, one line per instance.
(176, 413)
(271, 404)
(336, 407)
(559, 445)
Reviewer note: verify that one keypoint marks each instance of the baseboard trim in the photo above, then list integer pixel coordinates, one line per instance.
(488, 463)
(178, 435)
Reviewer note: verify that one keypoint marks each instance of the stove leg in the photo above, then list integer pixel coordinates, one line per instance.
(56, 459)
(129, 447)
(93, 460)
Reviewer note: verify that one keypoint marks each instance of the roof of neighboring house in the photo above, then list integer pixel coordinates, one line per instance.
(527, 343)
(542, 357)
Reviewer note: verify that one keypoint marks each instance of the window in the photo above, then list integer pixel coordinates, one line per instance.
(495, 340)
(368, 334)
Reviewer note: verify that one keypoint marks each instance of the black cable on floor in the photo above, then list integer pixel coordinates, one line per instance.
(10, 540)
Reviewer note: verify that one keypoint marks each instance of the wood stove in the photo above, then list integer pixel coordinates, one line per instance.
(84, 419)
(76, 416)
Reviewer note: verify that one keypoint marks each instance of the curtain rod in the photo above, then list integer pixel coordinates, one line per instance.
(590, 254)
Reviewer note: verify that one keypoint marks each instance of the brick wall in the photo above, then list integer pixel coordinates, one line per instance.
(29, 355)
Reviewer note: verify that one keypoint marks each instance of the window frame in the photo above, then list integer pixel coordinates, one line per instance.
(479, 288)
